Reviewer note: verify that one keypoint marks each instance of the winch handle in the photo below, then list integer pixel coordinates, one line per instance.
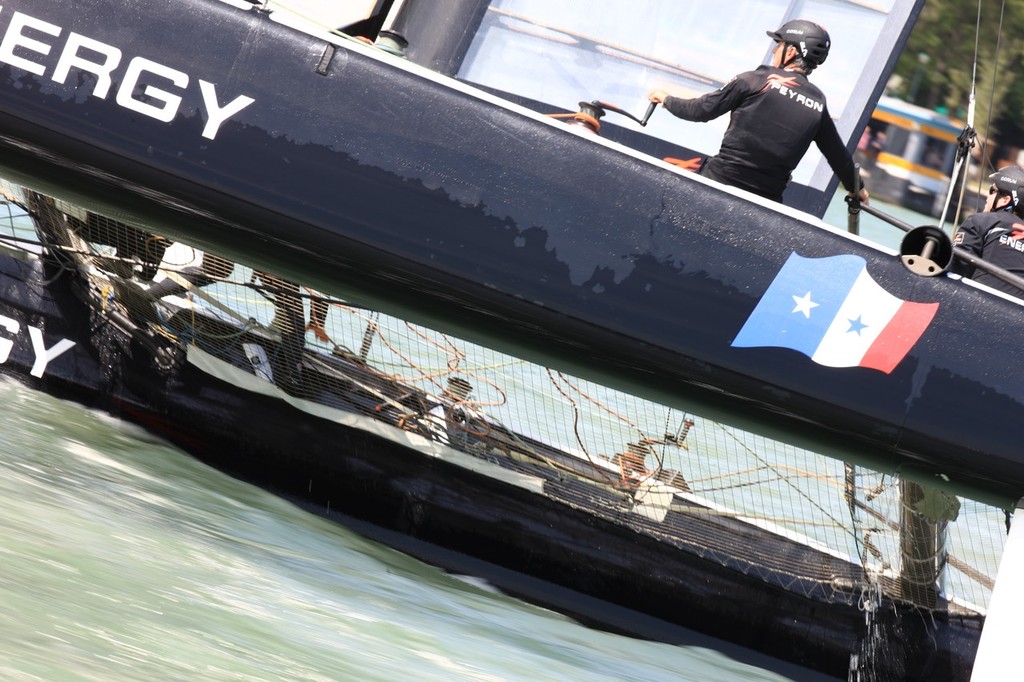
(611, 107)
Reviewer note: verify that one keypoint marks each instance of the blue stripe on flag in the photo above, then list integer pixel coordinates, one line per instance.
(801, 302)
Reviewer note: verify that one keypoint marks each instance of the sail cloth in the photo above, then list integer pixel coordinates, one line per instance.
(831, 310)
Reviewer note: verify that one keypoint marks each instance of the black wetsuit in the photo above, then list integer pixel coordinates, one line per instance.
(998, 238)
(776, 114)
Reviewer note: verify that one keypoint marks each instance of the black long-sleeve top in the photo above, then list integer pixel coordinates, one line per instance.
(776, 115)
(998, 238)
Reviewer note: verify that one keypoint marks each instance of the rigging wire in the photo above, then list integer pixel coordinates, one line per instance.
(992, 94)
(965, 142)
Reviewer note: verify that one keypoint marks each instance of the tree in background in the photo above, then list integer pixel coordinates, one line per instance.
(945, 33)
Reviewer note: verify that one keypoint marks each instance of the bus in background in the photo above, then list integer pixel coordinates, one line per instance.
(907, 155)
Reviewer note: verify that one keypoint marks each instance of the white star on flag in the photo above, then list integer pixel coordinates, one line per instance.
(804, 304)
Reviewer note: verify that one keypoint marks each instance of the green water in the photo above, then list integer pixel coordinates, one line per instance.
(121, 558)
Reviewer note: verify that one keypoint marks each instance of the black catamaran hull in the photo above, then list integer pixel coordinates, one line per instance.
(421, 503)
(370, 178)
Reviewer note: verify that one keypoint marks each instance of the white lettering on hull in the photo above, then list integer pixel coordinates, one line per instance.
(43, 355)
(161, 87)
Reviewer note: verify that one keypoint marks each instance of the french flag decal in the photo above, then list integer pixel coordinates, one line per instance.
(831, 310)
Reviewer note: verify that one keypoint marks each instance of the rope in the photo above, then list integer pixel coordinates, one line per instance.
(575, 413)
(776, 468)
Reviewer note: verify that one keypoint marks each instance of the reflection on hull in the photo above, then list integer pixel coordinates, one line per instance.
(215, 357)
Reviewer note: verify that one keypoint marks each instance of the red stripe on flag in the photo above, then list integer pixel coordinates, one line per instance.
(899, 336)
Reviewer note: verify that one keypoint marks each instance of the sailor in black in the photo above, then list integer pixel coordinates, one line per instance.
(997, 234)
(776, 114)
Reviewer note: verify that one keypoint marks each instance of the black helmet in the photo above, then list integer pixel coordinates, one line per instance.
(808, 37)
(1009, 180)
